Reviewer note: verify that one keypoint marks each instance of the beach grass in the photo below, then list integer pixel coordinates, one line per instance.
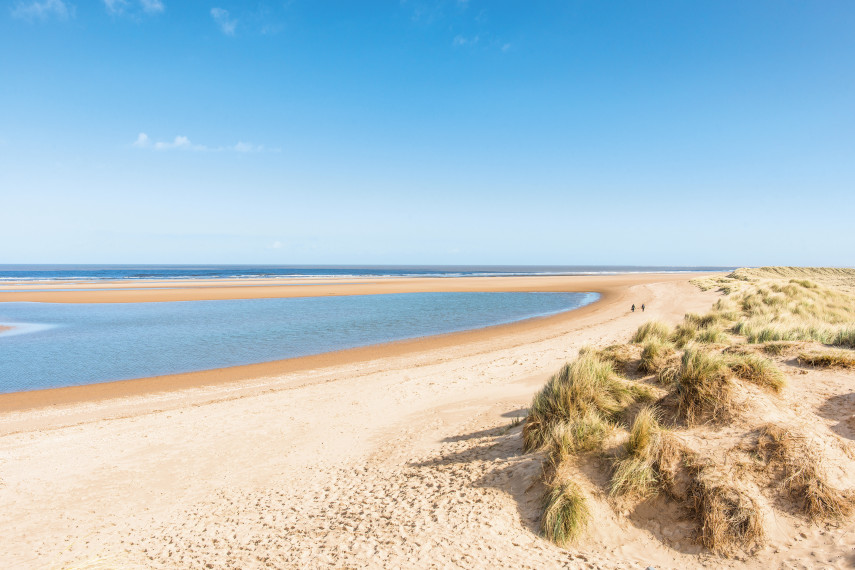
(828, 359)
(703, 387)
(655, 355)
(804, 479)
(703, 363)
(588, 387)
(565, 513)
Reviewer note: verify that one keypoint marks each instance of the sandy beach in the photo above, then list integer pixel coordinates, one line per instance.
(399, 455)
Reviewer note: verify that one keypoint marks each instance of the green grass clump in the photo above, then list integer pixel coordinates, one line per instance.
(703, 386)
(712, 336)
(684, 334)
(829, 359)
(565, 513)
(587, 386)
(634, 474)
(585, 433)
(651, 329)
(845, 337)
(654, 355)
(758, 370)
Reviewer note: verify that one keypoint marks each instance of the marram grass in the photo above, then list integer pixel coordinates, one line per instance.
(565, 513)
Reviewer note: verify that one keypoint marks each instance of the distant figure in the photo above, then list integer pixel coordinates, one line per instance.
(642, 307)
(633, 308)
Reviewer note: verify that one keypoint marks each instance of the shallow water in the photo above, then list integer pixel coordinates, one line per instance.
(56, 344)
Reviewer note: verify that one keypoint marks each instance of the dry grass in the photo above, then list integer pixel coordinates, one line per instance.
(758, 370)
(712, 336)
(795, 310)
(730, 518)
(587, 386)
(634, 473)
(684, 334)
(845, 337)
(652, 329)
(776, 310)
(703, 387)
(655, 355)
(624, 357)
(828, 359)
(585, 433)
(804, 479)
(777, 348)
(565, 513)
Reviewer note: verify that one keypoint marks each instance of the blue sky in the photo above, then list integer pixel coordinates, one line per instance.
(453, 132)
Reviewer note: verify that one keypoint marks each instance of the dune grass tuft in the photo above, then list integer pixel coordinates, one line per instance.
(622, 356)
(581, 434)
(684, 334)
(827, 359)
(804, 479)
(730, 518)
(712, 336)
(655, 355)
(589, 385)
(777, 348)
(634, 474)
(651, 329)
(758, 370)
(703, 386)
(565, 513)
(845, 337)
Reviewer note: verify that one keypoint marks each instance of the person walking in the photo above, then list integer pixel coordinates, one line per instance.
(642, 307)
(633, 308)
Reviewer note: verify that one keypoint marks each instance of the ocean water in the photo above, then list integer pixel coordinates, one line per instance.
(131, 272)
(55, 344)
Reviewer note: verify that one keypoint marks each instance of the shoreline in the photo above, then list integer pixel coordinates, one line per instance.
(610, 288)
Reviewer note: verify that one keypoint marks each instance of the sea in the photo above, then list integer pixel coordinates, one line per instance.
(54, 345)
(141, 272)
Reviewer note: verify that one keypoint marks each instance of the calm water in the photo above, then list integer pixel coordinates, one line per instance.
(111, 272)
(57, 344)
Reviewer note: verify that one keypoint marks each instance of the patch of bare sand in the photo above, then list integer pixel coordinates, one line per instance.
(407, 461)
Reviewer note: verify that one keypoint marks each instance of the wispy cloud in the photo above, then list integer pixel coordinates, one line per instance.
(43, 10)
(134, 7)
(221, 17)
(152, 6)
(464, 41)
(181, 142)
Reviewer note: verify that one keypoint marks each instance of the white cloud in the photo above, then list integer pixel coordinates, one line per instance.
(124, 6)
(116, 6)
(221, 17)
(43, 10)
(152, 6)
(247, 147)
(181, 142)
(464, 41)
